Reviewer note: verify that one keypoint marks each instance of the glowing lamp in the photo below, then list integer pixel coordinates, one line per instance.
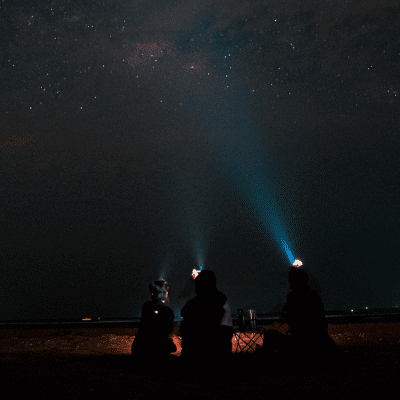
(195, 273)
(297, 263)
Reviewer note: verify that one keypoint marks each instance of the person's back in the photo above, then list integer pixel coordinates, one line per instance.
(201, 320)
(156, 324)
(156, 320)
(304, 313)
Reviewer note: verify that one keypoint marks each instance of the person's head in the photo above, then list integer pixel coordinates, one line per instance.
(205, 282)
(159, 290)
(298, 278)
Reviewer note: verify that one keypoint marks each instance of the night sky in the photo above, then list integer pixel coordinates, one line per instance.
(145, 138)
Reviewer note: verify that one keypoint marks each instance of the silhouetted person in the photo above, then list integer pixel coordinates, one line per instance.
(206, 328)
(304, 311)
(308, 328)
(152, 341)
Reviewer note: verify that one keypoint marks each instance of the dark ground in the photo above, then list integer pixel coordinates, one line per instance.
(359, 370)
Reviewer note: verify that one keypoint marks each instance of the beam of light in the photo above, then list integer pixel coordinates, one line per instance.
(250, 169)
(164, 269)
(225, 106)
(193, 217)
(192, 223)
(199, 250)
(289, 254)
(248, 165)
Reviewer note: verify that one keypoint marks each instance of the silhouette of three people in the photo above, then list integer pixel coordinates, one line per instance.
(207, 331)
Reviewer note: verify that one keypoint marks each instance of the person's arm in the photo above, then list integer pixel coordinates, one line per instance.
(320, 312)
(188, 314)
(283, 318)
(291, 310)
(170, 321)
(227, 317)
(144, 319)
(184, 320)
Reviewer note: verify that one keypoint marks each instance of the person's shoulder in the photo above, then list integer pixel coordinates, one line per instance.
(291, 295)
(147, 309)
(189, 304)
(221, 297)
(317, 298)
(314, 294)
(147, 305)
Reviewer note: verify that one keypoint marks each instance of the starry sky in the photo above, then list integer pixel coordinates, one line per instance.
(145, 138)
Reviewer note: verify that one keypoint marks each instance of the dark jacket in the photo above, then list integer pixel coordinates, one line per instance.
(156, 323)
(201, 321)
(304, 313)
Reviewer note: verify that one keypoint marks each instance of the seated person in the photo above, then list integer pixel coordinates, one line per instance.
(305, 315)
(206, 325)
(156, 324)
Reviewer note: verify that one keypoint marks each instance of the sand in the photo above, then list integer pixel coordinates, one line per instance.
(119, 340)
(82, 363)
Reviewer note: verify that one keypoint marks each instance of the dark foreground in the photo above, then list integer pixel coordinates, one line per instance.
(357, 371)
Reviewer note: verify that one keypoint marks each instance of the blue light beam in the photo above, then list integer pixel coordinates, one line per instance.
(225, 108)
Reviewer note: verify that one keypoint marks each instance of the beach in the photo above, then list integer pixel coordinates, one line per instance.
(90, 362)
